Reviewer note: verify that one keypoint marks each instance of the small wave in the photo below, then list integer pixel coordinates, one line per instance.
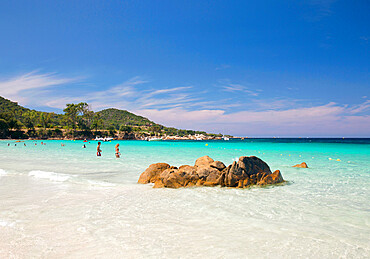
(102, 184)
(49, 175)
(4, 223)
(3, 172)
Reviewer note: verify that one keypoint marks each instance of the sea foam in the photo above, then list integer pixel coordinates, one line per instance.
(49, 175)
(4, 223)
(102, 184)
(2, 172)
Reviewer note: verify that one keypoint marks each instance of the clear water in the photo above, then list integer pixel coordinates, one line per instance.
(64, 202)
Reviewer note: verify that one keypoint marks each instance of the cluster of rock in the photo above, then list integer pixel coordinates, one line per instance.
(207, 172)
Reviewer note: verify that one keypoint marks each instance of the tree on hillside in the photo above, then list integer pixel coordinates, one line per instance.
(79, 115)
(97, 122)
(12, 122)
(71, 112)
(125, 128)
(112, 130)
(136, 129)
(4, 127)
(45, 119)
(30, 119)
(8, 122)
(155, 128)
(85, 118)
(171, 131)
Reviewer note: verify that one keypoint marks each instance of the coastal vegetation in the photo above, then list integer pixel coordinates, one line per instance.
(78, 122)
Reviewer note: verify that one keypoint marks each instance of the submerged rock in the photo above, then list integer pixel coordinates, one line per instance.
(301, 165)
(207, 172)
(275, 177)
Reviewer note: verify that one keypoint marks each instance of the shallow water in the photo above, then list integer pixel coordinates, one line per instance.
(64, 202)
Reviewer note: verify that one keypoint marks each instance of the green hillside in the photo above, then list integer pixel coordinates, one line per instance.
(7, 106)
(117, 118)
(79, 120)
(109, 117)
(24, 115)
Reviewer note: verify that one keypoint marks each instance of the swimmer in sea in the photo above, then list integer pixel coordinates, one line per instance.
(98, 150)
(24, 144)
(84, 146)
(118, 154)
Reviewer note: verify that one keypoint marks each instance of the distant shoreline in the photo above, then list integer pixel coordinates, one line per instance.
(137, 138)
(174, 139)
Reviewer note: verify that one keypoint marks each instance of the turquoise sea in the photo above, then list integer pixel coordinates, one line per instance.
(65, 202)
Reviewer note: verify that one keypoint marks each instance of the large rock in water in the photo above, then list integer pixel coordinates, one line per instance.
(275, 177)
(246, 169)
(151, 174)
(203, 161)
(175, 178)
(207, 172)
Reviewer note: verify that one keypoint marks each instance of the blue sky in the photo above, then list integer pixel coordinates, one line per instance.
(248, 68)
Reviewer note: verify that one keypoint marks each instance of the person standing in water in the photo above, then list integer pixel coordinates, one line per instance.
(98, 150)
(118, 154)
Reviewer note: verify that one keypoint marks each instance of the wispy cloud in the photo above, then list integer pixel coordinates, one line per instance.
(360, 107)
(321, 120)
(222, 67)
(232, 87)
(125, 89)
(187, 107)
(131, 94)
(169, 90)
(15, 87)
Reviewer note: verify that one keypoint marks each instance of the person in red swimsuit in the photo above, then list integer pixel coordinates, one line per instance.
(118, 154)
(98, 150)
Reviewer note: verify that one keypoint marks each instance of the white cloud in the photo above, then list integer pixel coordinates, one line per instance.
(317, 120)
(169, 90)
(183, 107)
(230, 87)
(61, 102)
(15, 87)
(360, 108)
